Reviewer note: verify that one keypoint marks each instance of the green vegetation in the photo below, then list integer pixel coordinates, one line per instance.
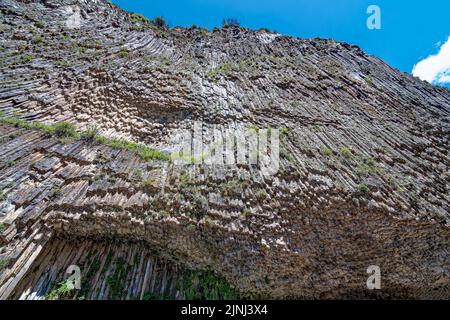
(139, 18)
(284, 131)
(61, 291)
(143, 151)
(345, 152)
(247, 214)
(22, 47)
(90, 133)
(253, 128)
(369, 80)
(295, 104)
(206, 285)
(56, 190)
(123, 53)
(160, 22)
(203, 31)
(184, 179)
(91, 44)
(10, 163)
(2, 227)
(16, 122)
(137, 174)
(141, 22)
(221, 69)
(148, 69)
(39, 25)
(393, 183)
(38, 39)
(327, 151)
(234, 184)
(367, 165)
(65, 130)
(116, 279)
(247, 65)
(107, 262)
(147, 182)
(285, 154)
(363, 188)
(155, 296)
(27, 58)
(260, 193)
(3, 264)
(62, 63)
(60, 129)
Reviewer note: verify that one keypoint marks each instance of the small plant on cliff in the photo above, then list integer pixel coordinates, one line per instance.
(369, 80)
(327, 151)
(139, 18)
(123, 53)
(230, 22)
(2, 227)
(90, 133)
(345, 152)
(61, 291)
(206, 285)
(143, 151)
(137, 174)
(260, 193)
(202, 30)
(223, 68)
(27, 58)
(64, 130)
(253, 128)
(115, 280)
(363, 188)
(38, 39)
(10, 163)
(3, 264)
(39, 24)
(160, 22)
(367, 165)
(284, 131)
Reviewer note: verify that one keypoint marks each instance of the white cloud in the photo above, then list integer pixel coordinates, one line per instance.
(436, 68)
(445, 78)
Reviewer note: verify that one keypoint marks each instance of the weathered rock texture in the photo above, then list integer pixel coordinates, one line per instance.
(363, 179)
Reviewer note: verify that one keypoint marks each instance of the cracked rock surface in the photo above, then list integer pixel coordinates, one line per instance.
(363, 179)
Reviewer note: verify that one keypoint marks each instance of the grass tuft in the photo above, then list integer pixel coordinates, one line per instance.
(66, 131)
(345, 152)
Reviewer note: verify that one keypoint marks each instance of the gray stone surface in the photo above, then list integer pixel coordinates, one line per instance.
(310, 231)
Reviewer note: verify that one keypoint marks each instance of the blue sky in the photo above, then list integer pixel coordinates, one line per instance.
(410, 30)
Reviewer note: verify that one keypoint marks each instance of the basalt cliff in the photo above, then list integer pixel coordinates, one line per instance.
(92, 100)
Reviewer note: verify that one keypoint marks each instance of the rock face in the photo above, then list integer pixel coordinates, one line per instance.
(363, 177)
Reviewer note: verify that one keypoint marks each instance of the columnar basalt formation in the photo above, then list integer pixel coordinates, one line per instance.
(363, 177)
